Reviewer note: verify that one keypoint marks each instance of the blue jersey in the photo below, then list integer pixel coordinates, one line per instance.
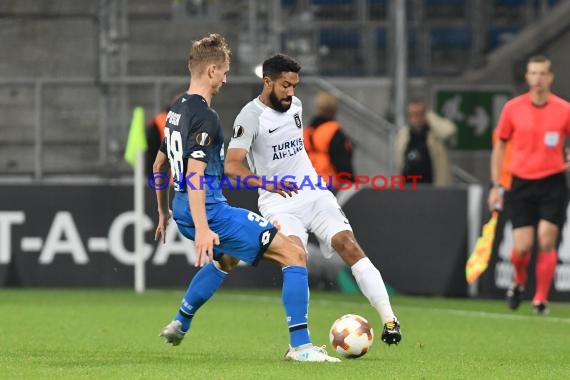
(193, 131)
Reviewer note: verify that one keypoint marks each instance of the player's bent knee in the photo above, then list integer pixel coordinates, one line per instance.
(547, 248)
(348, 248)
(297, 256)
(286, 252)
(523, 249)
(546, 245)
(547, 242)
(227, 263)
(293, 255)
(523, 246)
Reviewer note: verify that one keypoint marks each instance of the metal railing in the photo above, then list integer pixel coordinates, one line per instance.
(370, 130)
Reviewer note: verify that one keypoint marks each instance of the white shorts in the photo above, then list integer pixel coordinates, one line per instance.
(322, 216)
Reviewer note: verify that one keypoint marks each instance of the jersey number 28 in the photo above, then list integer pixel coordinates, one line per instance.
(174, 150)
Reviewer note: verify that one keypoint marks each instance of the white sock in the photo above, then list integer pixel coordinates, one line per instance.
(371, 284)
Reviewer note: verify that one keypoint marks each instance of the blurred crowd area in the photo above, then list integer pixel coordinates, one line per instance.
(77, 68)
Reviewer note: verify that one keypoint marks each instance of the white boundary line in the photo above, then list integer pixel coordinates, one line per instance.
(459, 312)
(485, 314)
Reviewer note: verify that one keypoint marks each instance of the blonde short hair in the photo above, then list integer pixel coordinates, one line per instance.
(212, 49)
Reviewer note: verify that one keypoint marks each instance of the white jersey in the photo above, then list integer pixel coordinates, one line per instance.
(274, 141)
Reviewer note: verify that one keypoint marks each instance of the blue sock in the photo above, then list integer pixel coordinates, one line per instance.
(295, 296)
(201, 289)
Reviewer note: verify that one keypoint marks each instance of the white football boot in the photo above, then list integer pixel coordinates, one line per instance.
(173, 333)
(309, 353)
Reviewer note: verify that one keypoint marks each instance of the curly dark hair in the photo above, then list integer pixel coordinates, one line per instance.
(274, 66)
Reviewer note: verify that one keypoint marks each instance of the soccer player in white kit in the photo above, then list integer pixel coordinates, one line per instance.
(268, 132)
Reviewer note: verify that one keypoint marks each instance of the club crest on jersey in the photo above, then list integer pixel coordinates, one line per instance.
(203, 139)
(297, 120)
(238, 131)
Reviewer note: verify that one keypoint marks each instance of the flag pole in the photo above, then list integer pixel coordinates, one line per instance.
(139, 217)
(135, 156)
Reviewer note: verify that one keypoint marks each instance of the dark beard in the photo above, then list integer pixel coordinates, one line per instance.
(277, 105)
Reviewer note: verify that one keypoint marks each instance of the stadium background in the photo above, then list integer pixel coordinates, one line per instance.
(72, 72)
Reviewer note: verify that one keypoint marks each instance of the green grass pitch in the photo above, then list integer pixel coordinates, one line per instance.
(113, 334)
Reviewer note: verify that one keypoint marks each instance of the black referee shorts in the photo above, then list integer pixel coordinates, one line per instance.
(531, 200)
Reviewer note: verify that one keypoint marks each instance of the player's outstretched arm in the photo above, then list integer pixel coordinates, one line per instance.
(234, 168)
(161, 165)
(205, 238)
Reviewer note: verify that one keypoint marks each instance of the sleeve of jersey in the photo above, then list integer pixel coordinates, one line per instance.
(505, 126)
(200, 138)
(162, 147)
(245, 131)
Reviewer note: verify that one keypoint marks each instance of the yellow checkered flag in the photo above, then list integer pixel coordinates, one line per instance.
(479, 258)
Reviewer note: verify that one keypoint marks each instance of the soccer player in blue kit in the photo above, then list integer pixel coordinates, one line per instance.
(193, 149)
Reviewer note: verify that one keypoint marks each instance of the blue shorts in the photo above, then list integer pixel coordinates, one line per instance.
(243, 234)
